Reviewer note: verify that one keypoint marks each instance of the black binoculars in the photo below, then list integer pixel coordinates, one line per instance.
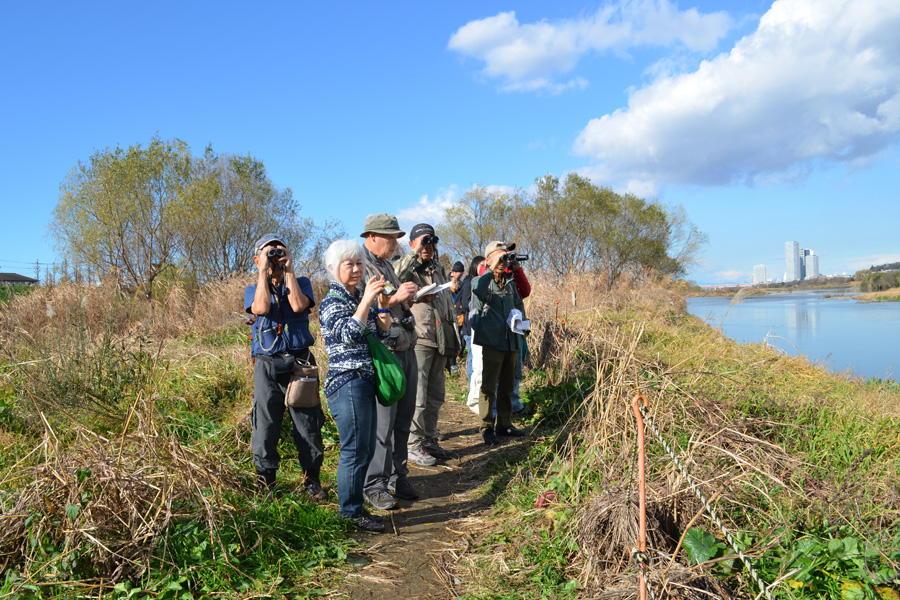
(275, 252)
(430, 239)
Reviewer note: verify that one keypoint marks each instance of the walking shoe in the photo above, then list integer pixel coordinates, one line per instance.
(489, 437)
(419, 455)
(436, 451)
(315, 492)
(380, 499)
(364, 521)
(510, 431)
(403, 489)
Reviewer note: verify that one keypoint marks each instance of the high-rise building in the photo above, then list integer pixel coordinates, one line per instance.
(811, 265)
(804, 252)
(759, 274)
(792, 261)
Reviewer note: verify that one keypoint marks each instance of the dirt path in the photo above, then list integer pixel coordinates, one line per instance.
(406, 562)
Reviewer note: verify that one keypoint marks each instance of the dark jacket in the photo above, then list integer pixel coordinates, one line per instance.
(494, 304)
(461, 307)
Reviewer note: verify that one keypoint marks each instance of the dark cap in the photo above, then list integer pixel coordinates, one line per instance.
(382, 223)
(266, 240)
(457, 268)
(421, 229)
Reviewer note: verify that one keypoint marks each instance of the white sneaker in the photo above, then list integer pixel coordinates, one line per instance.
(420, 456)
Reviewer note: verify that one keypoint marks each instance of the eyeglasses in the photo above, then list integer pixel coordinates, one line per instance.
(275, 252)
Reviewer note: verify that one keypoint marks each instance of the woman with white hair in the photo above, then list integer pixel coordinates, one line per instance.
(344, 315)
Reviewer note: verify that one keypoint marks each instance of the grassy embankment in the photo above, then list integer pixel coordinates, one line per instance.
(803, 466)
(126, 467)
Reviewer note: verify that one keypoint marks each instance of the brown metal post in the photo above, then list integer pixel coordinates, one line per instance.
(642, 492)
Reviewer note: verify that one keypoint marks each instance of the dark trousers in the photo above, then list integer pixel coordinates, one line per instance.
(497, 381)
(267, 416)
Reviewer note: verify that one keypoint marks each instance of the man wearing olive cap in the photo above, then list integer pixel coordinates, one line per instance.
(386, 477)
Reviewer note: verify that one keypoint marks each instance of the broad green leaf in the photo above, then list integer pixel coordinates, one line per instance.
(700, 545)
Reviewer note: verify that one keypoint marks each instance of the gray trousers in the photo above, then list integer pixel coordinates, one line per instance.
(498, 377)
(429, 396)
(267, 415)
(392, 431)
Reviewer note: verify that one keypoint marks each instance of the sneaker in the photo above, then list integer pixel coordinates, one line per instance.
(364, 521)
(380, 499)
(510, 431)
(315, 492)
(436, 451)
(419, 455)
(403, 489)
(489, 437)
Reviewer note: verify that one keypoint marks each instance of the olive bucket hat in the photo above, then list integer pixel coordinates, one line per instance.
(382, 223)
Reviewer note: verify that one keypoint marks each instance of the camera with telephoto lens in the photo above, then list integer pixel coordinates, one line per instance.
(275, 252)
(430, 239)
(521, 257)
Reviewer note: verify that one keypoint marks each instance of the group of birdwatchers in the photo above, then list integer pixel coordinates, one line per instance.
(375, 291)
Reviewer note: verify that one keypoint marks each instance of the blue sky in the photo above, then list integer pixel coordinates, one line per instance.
(767, 121)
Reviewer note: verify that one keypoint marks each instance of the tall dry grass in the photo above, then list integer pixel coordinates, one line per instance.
(778, 443)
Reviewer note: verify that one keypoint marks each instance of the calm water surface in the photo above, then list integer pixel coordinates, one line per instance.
(844, 335)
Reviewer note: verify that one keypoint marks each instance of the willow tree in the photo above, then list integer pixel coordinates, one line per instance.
(118, 213)
(482, 215)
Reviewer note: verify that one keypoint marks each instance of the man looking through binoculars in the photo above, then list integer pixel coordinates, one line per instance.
(437, 342)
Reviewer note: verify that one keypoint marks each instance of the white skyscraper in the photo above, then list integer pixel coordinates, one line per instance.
(792, 261)
(759, 274)
(811, 265)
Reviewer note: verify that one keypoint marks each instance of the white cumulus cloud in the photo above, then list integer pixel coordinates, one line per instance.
(428, 209)
(819, 80)
(530, 56)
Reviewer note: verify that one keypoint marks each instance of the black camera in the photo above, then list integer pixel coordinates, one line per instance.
(408, 321)
(275, 252)
(430, 239)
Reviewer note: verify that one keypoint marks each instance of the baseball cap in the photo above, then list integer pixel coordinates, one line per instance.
(457, 268)
(494, 246)
(266, 240)
(421, 229)
(382, 223)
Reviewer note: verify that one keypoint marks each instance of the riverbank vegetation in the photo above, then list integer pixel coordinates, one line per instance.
(126, 467)
(802, 466)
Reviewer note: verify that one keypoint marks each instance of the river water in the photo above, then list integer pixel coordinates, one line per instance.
(845, 335)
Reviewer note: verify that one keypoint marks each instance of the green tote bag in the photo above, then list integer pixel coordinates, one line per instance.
(389, 377)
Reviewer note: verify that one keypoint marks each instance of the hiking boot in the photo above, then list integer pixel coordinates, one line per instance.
(489, 437)
(315, 492)
(510, 431)
(419, 455)
(403, 489)
(365, 521)
(436, 451)
(380, 499)
(265, 480)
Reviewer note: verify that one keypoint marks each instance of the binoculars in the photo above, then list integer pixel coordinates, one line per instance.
(430, 239)
(275, 252)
